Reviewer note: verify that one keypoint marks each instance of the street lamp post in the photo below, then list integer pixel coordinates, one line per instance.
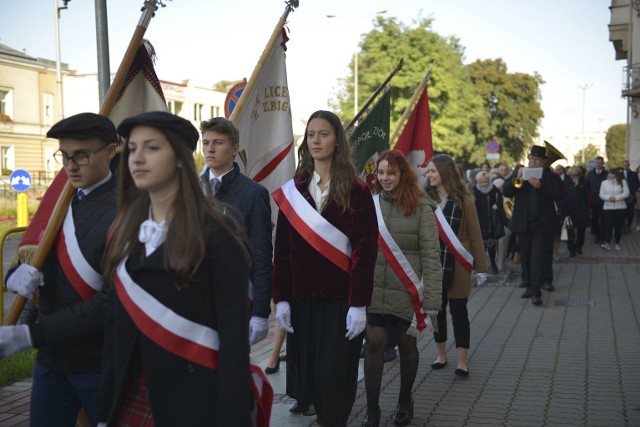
(584, 88)
(57, 10)
(355, 70)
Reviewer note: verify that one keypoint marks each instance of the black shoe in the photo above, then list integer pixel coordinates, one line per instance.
(527, 294)
(403, 416)
(373, 421)
(494, 269)
(389, 354)
(548, 287)
(438, 365)
(536, 300)
(282, 358)
(523, 285)
(310, 411)
(462, 373)
(269, 370)
(297, 408)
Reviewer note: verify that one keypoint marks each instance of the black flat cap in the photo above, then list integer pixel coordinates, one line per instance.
(85, 125)
(162, 120)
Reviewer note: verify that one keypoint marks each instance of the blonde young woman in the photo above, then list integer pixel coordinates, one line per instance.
(446, 186)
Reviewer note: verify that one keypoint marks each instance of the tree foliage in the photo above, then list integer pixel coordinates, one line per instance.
(591, 151)
(616, 145)
(458, 93)
(225, 85)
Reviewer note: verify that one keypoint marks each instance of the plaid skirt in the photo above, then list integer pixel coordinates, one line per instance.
(134, 409)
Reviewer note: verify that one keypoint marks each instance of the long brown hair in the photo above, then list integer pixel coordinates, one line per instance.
(452, 180)
(407, 193)
(342, 170)
(617, 173)
(185, 242)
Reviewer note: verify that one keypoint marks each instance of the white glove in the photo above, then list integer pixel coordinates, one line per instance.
(14, 339)
(25, 280)
(432, 312)
(283, 316)
(356, 321)
(481, 278)
(101, 425)
(258, 329)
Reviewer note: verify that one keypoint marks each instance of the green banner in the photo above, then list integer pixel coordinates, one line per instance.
(371, 137)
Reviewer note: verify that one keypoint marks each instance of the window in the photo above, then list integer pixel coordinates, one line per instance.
(197, 112)
(6, 103)
(47, 108)
(7, 159)
(215, 111)
(175, 107)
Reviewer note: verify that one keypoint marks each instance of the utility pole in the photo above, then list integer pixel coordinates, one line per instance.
(584, 88)
(57, 10)
(102, 39)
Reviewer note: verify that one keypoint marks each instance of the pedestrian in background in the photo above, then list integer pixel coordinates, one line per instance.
(613, 192)
(488, 200)
(595, 177)
(576, 207)
(634, 185)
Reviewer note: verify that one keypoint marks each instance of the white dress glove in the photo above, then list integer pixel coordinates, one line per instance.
(14, 339)
(356, 321)
(25, 280)
(283, 316)
(258, 329)
(101, 425)
(432, 312)
(481, 278)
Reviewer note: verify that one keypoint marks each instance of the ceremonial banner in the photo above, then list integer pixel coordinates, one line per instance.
(141, 92)
(415, 140)
(371, 138)
(267, 154)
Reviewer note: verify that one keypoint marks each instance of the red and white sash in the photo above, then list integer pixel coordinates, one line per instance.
(183, 337)
(463, 256)
(313, 227)
(84, 279)
(401, 267)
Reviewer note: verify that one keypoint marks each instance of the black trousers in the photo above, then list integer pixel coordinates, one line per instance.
(596, 221)
(459, 319)
(536, 249)
(614, 222)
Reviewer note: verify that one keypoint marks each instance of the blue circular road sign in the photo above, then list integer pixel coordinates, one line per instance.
(493, 147)
(233, 96)
(20, 180)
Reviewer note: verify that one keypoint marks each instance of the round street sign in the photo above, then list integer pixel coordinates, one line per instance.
(493, 147)
(20, 180)
(232, 98)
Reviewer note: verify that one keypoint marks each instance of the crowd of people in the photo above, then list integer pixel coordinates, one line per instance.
(162, 278)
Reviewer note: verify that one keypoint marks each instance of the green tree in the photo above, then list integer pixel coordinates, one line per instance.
(591, 151)
(225, 85)
(452, 97)
(616, 145)
(511, 112)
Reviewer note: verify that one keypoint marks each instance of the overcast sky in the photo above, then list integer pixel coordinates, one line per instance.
(567, 42)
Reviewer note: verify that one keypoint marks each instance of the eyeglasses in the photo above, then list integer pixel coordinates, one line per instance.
(80, 159)
(535, 159)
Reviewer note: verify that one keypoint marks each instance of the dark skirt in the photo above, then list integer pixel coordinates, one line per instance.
(322, 365)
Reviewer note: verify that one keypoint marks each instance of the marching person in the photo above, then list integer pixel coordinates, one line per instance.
(595, 177)
(534, 220)
(408, 278)
(488, 200)
(324, 260)
(576, 207)
(68, 332)
(613, 192)
(222, 179)
(176, 341)
(463, 245)
(634, 184)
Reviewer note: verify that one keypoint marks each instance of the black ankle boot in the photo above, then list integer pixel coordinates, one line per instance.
(403, 415)
(371, 421)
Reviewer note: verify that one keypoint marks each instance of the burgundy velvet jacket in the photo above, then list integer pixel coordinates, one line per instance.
(299, 271)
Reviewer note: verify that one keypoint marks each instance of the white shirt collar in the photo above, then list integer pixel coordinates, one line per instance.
(90, 188)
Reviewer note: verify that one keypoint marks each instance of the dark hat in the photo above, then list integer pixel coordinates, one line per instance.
(85, 125)
(538, 151)
(162, 120)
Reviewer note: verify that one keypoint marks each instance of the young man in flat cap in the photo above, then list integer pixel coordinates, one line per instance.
(69, 330)
(222, 179)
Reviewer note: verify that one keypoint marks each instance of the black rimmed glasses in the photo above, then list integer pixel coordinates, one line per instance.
(80, 159)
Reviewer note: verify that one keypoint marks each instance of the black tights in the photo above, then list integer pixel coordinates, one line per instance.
(374, 363)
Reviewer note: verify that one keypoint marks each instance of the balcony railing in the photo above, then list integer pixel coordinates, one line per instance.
(631, 79)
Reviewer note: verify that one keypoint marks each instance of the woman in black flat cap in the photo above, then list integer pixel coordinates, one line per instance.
(176, 349)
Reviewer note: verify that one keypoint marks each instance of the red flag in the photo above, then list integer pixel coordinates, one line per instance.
(141, 92)
(415, 140)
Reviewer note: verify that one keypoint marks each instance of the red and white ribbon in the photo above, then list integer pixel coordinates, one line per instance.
(464, 257)
(401, 267)
(313, 227)
(84, 279)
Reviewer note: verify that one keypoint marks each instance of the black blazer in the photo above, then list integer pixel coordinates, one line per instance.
(550, 191)
(633, 183)
(182, 392)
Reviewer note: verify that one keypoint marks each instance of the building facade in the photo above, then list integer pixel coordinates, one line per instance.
(624, 33)
(28, 108)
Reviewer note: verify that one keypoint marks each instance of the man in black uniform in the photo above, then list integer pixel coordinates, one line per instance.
(68, 332)
(595, 178)
(534, 220)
